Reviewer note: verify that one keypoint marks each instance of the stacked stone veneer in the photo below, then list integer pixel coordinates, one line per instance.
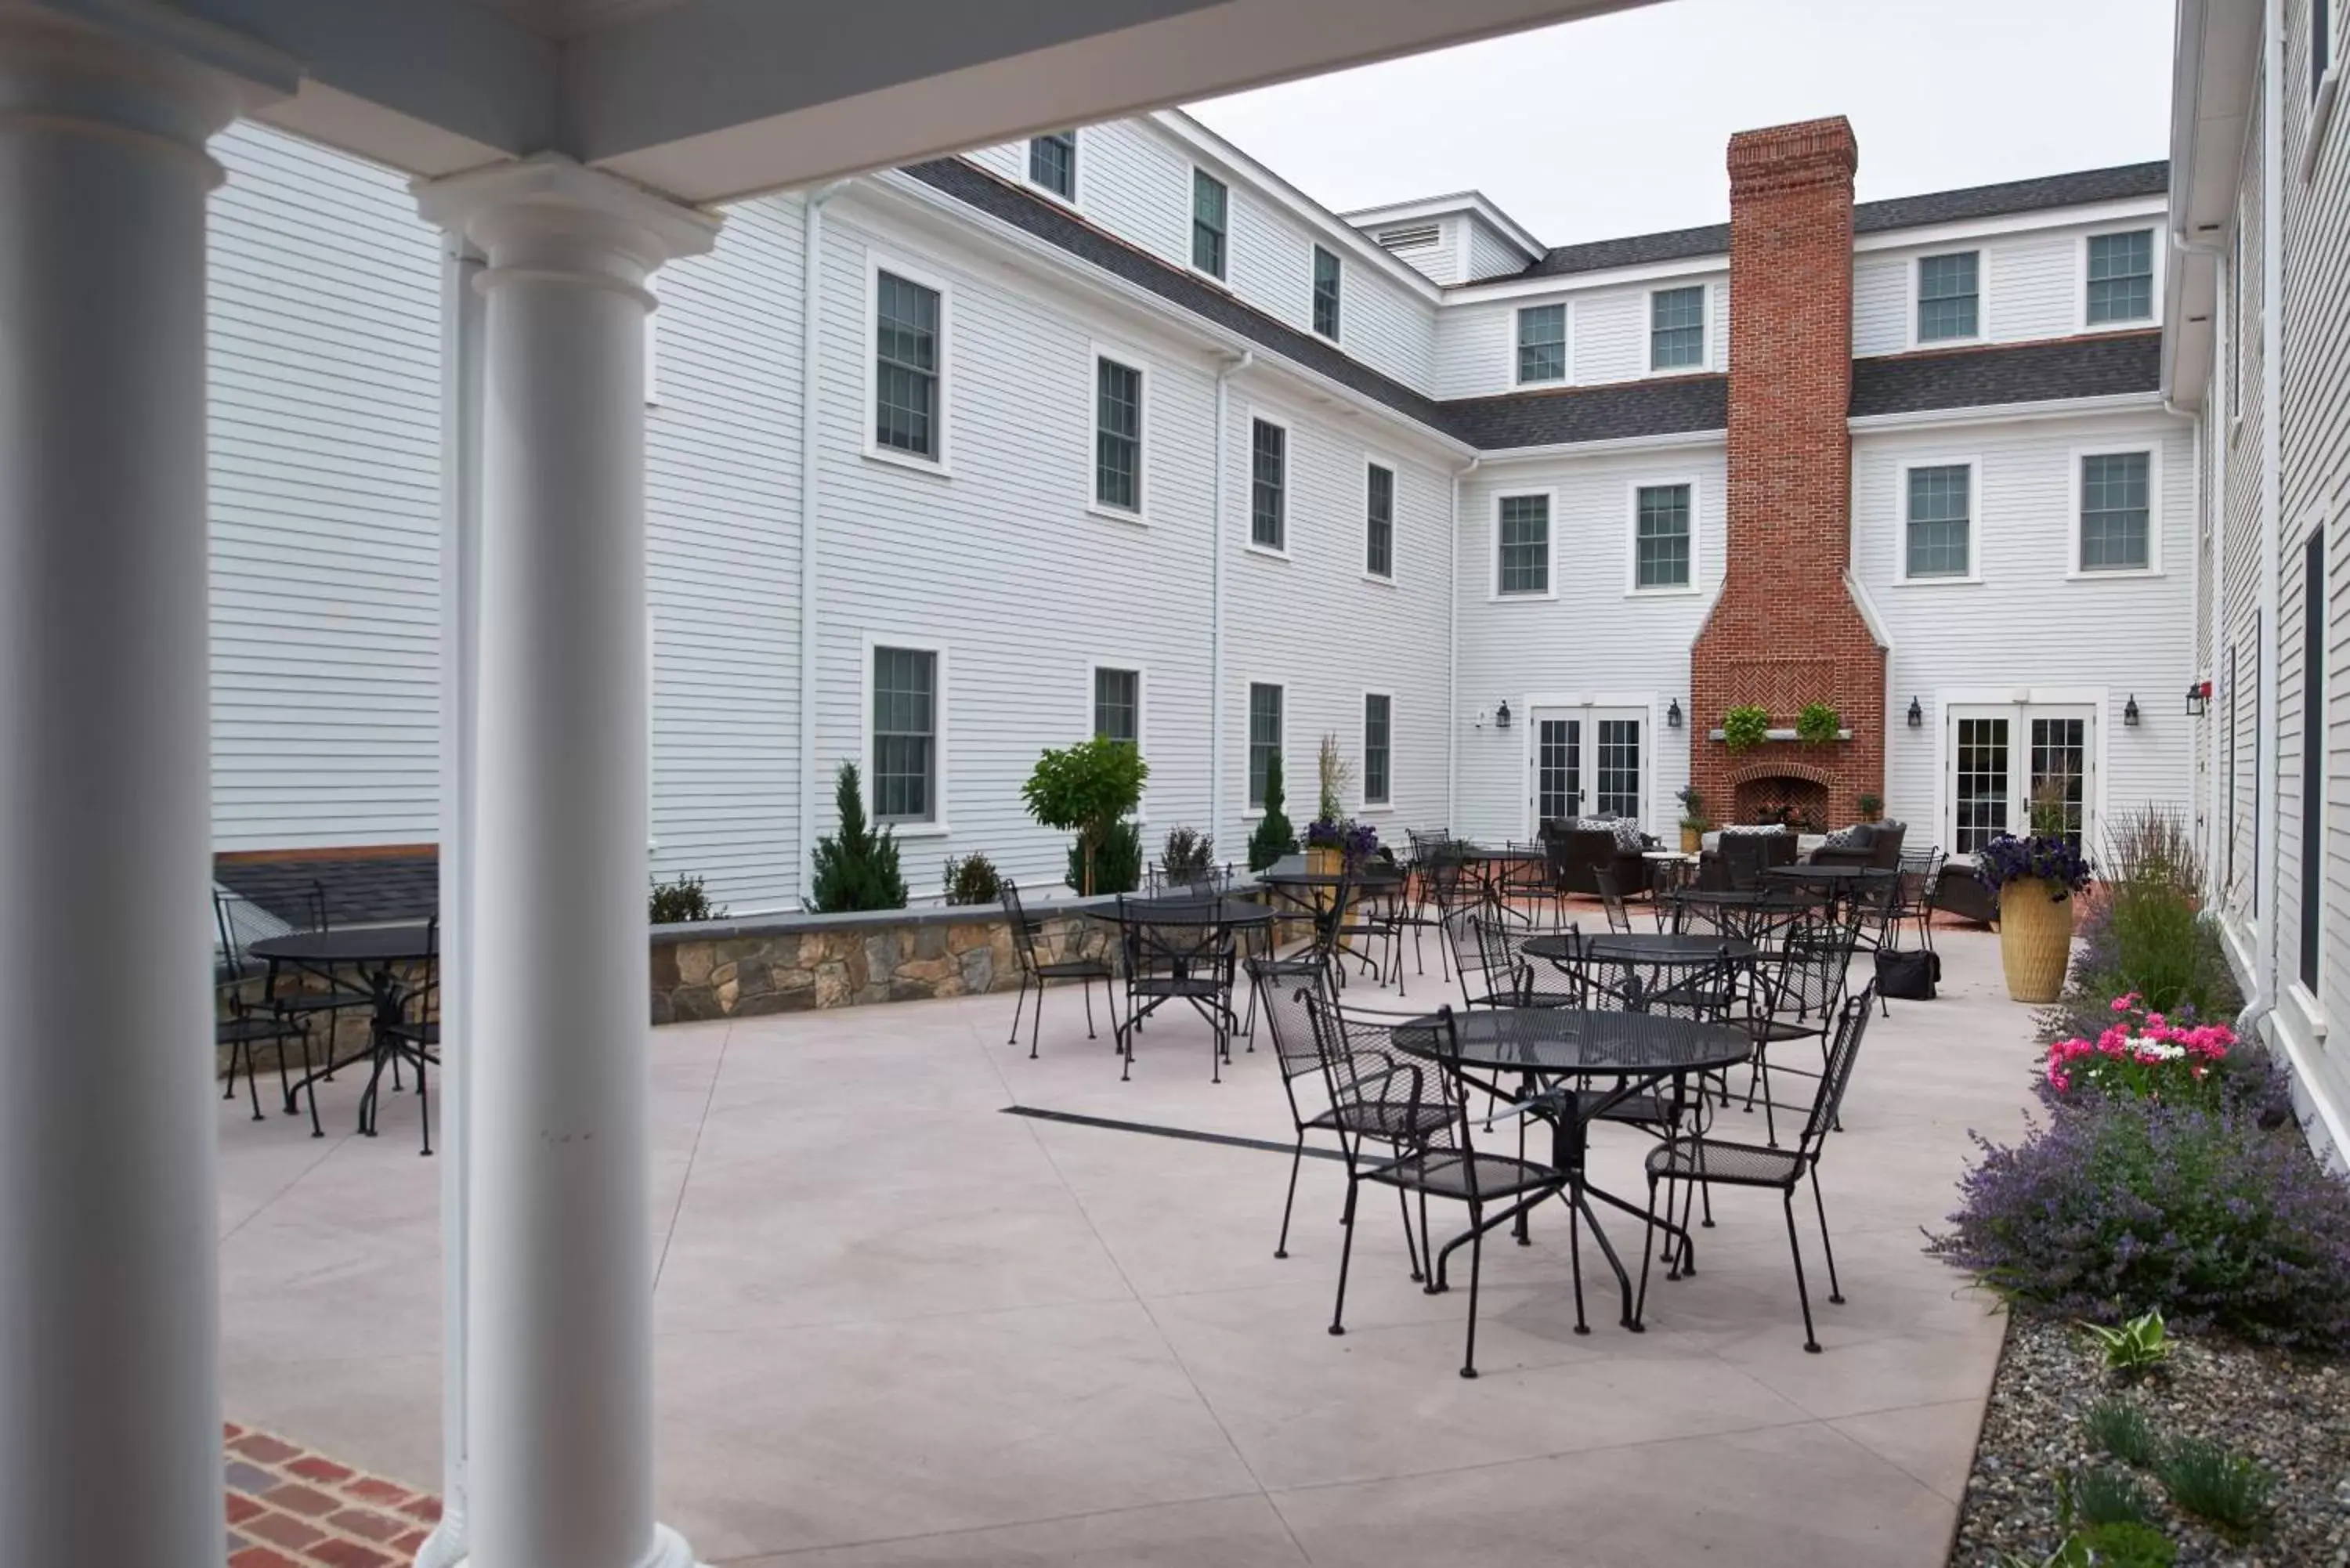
(795, 963)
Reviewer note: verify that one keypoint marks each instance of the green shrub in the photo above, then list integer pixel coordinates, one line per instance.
(2120, 1429)
(1188, 855)
(2232, 1490)
(2103, 1495)
(2136, 1348)
(2125, 1543)
(1746, 726)
(1089, 789)
(1817, 723)
(675, 903)
(1117, 861)
(973, 880)
(1274, 836)
(856, 868)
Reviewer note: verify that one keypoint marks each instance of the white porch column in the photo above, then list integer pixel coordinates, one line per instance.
(110, 1424)
(559, 1277)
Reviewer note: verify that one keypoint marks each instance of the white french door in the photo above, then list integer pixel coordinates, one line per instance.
(1587, 762)
(2000, 755)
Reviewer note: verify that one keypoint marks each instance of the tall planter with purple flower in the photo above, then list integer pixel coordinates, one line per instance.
(2034, 879)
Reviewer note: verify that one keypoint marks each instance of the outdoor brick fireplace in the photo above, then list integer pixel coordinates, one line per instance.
(1786, 631)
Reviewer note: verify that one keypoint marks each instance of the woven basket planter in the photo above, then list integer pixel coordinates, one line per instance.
(2035, 938)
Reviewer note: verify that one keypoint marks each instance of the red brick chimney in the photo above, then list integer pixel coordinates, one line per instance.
(1785, 631)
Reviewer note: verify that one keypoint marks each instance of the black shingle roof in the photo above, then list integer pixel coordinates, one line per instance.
(365, 889)
(2031, 372)
(1870, 217)
(2016, 373)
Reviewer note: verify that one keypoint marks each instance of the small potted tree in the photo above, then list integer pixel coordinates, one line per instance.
(1274, 836)
(856, 868)
(1693, 822)
(1089, 789)
(1872, 807)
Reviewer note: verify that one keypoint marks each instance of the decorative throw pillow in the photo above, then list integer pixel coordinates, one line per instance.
(1753, 828)
(1628, 835)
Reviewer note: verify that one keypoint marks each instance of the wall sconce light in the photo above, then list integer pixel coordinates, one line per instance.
(2129, 712)
(1673, 715)
(2198, 694)
(1502, 715)
(1916, 715)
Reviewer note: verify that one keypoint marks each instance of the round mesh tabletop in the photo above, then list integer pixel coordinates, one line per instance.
(1571, 1040)
(1176, 910)
(350, 944)
(1641, 947)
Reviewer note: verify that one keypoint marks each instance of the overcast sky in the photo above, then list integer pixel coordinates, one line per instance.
(1618, 125)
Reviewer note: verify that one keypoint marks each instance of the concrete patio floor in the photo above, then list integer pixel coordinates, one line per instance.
(897, 1325)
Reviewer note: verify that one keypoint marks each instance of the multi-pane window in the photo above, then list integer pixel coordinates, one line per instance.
(905, 734)
(1378, 521)
(1524, 526)
(1660, 537)
(1940, 518)
(1541, 343)
(2121, 277)
(1053, 164)
(1326, 293)
(1117, 435)
(1677, 329)
(905, 366)
(2059, 776)
(1617, 774)
(1558, 768)
(1117, 704)
(1982, 773)
(2115, 536)
(1264, 739)
(1949, 297)
(2313, 756)
(1377, 710)
(1268, 485)
(1210, 202)
(2236, 321)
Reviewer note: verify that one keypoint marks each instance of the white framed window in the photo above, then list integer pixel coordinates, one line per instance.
(908, 316)
(1541, 345)
(1663, 536)
(1677, 329)
(2315, 755)
(2117, 512)
(1379, 749)
(1211, 224)
(1948, 289)
(1267, 730)
(1052, 164)
(1938, 499)
(1524, 542)
(2234, 325)
(1268, 485)
(1118, 695)
(905, 750)
(1122, 434)
(2120, 281)
(1378, 520)
(1329, 278)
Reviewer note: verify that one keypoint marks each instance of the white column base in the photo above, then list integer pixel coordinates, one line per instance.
(670, 1551)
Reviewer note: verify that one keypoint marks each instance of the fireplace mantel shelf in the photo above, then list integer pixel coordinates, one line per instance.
(1777, 735)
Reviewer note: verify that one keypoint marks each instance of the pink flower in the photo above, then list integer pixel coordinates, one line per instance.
(2122, 1003)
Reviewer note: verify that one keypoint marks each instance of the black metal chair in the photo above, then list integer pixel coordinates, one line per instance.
(1707, 1162)
(413, 1039)
(1443, 1163)
(241, 922)
(1187, 956)
(1919, 878)
(1611, 898)
(243, 1021)
(1035, 970)
(1800, 983)
(1487, 969)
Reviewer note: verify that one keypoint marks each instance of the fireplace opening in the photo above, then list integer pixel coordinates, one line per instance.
(1783, 800)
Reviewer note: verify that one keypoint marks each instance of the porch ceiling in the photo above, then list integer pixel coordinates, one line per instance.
(709, 100)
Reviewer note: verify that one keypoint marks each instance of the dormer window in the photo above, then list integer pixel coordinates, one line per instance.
(2121, 277)
(1677, 329)
(1053, 164)
(1541, 344)
(1326, 293)
(1949, 297)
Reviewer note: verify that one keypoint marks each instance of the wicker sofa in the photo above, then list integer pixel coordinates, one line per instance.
(1577, 854)
(1876, 844)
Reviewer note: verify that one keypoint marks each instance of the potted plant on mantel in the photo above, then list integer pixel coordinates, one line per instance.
(2034, 879)
(1693, 822)
(1872, 807)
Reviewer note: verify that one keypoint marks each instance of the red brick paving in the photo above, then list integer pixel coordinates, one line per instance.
(289, 1508)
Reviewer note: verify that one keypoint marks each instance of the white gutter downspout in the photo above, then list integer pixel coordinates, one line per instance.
(811, 347)
(1232, 367)
(1452, 661)
(2268, 862)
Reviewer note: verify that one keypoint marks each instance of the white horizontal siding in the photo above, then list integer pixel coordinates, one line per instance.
(1880, 305)
(1490, 255)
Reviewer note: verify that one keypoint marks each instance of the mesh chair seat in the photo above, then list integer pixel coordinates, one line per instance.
(1646, 1110)
(1733, 1164)
(426, 1033)
(1176, 985)
(1780, 1030)
(1389, 1121)
(338, 999)
(1451, 1173)
(252, 1027)
(1073, 969)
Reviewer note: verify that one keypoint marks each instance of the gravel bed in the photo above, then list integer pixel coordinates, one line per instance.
(2290, 1412)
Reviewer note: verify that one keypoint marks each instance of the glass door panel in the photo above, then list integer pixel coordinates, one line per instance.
(2060, 771)
(1558, 768)
(1982, 769)
(1617, 774)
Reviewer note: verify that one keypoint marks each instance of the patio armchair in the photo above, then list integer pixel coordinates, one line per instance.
(1800, 984)
(1704, 1162)
(1577, 855)
(1920, 875)
(1873, 844)
(1443, 1162)
(1738, 860)
(242, 1021)
(1035, 970)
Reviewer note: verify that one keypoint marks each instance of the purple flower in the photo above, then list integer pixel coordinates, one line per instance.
(2008, 858)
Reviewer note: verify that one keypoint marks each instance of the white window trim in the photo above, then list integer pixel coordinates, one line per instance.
(1288, 481)
(2152, 450)
(1493, 594)
(1648, 328)
(1395, 517)
(1973, 464)
(1075, 200)
(1191, 216)
(1632, 488)
(1141, 673)
(1362, 801)
(1982, 297)
(1248, 728)
(1117, 355)
(1565, 378)
(876, 264)
(938, 827)
(2081, 278)
(1310, 250)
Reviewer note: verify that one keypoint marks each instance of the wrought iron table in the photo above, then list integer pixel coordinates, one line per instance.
(1219, 919)
(374, 951)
